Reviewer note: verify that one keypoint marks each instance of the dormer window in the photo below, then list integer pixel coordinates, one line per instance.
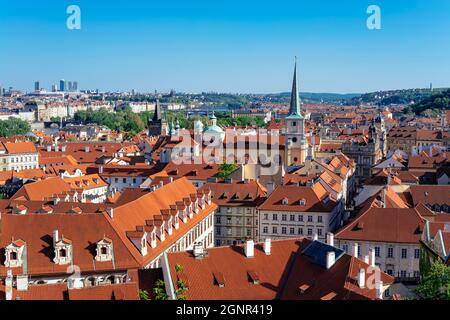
(153, 239)
(302, 202)
(285, 201)
(13, 254)
(104, 250)
(138, 238)
(169, 226)
(63, 249)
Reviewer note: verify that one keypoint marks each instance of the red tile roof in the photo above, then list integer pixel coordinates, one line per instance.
(279, 274)
(20, 147)
(249, 193)
(405, 226)
(315, 199)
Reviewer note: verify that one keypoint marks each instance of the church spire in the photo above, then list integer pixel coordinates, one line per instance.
(294, 108)
(157, 114)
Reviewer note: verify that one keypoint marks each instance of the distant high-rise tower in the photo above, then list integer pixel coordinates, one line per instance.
(62, 85)
(37, 86)
(72, 86)
(295, 128)
(54, 88)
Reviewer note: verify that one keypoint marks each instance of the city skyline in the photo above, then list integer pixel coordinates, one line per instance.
(203, 47)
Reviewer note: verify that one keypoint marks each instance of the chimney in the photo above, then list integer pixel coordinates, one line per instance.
(9, 285)
(56, 148)
(49, 148)
(372, 257)
(110, 212)
(330, 239)
(161, 184)
(86, 149)
(362, 278)
(316, 237)
(55, 237)
(366, 259)
(22, 283)
(249, 249)
(63, 148)
(198, 250)
(267, 246)
(331, 259)
(379, 288)
(103, 149)
(100, 169)
(355, 250)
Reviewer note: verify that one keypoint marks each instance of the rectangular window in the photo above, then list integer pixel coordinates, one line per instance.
(390, 253)
(265, 230)
(300, 217)
(275, 217)
(404, 253)
(310, 219)
(300, 231)
(377, 251)
(266, 216)
(310, 231)
(292, 217)
(283, 217)
(274, 230)
(249, 232)
(345, 248)
(319, 232)
(283, 230)
(319, 219)
(292, 230)
(416, 253)
(403, 273)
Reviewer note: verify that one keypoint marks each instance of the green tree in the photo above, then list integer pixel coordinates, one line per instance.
(225, 169)
(143, 295)
(160, 291)
(435, 285)
(14, 126)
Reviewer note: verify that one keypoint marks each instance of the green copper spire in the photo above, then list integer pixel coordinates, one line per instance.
(294, 108)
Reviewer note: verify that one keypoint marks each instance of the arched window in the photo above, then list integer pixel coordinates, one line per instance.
(103, 250)
(13, 255)
(63, 253)
(110, 279)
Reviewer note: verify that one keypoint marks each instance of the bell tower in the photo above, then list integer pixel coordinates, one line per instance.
(295, 142)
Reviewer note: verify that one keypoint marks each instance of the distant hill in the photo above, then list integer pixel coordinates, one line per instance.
(431, 105)
(404, 96)
(325, 97)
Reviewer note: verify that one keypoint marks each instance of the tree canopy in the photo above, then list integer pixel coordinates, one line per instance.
(435, 284)
(431, 105)
(13, 127)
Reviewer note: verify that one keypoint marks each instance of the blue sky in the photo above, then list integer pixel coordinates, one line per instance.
(226, 46)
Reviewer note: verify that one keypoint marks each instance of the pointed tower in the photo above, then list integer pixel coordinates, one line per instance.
(157, 126)
(295, 128)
